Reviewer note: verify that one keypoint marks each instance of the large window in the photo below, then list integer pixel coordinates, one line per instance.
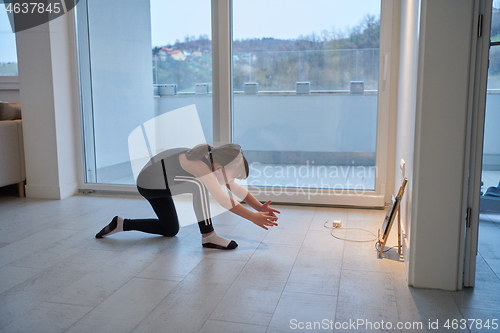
(305, 84)
(138, 60)
(182, 57)
(8, 53)
(294, 82)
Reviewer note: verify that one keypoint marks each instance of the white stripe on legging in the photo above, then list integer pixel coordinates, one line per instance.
(204, 200)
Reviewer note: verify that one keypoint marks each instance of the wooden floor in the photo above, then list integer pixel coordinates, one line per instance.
(56, 277)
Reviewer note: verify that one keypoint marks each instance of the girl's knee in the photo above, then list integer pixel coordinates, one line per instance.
(170, 232)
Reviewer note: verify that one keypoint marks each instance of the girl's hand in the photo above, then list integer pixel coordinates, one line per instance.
(268, 210)
(263, 220)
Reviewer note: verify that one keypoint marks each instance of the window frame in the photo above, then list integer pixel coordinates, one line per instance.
(222, 105)
(386, 109)
(9, 82)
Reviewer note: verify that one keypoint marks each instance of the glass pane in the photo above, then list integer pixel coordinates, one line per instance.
(138, 72)
(182, 58)
(491, 148)
(305, 82)
(8, 52)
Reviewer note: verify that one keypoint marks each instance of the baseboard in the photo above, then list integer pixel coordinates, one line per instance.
(51, 192)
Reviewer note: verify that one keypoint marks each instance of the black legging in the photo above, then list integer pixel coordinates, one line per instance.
(167, 223)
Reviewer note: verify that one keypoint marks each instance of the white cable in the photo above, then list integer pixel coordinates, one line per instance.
(350, 240)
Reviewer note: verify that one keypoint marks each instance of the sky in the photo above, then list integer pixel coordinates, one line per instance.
(283, 19)
(7, 38)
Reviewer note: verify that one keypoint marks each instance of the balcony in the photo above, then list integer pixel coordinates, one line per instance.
(326, 140)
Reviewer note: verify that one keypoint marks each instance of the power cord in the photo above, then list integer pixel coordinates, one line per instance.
(337, 225)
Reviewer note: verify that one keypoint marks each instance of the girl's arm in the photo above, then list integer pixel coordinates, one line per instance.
(260, 218)
(201, 171)
(242, 192)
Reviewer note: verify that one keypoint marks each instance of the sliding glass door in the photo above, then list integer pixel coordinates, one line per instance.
(490, 180)
(305, 90)
(139, 60)
(295, 83)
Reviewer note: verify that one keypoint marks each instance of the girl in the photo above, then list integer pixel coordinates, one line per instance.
(197, 171)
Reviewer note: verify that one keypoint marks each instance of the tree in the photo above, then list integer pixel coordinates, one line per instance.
(278, 63)
(156, 49)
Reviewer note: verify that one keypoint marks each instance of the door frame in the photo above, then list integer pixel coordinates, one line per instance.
(475, 131)
(386, 113)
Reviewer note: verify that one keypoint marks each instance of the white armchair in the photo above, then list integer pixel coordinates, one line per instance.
(12, 167)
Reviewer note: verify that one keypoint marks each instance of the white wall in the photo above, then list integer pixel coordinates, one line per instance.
(439, 152)
(407, 95)
(47, 73)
